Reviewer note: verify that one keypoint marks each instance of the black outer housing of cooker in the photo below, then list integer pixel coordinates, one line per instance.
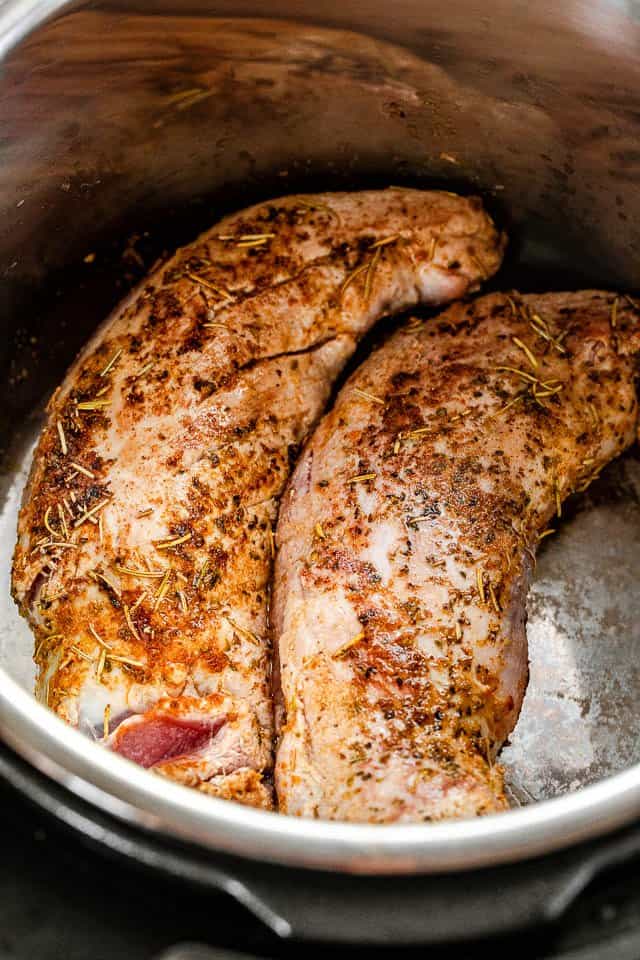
(352, 909)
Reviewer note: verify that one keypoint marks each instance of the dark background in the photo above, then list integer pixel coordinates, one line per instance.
(60, 900)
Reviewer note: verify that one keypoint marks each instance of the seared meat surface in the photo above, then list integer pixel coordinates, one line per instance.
(145, 539)
(406, 543)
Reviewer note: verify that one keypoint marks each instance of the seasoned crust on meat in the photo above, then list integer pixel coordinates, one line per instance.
(145, 539)
(406, 542)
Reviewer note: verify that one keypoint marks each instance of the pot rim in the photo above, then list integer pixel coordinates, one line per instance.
(143, 799)
(18, 18)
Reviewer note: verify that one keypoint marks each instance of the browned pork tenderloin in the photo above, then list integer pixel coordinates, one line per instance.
(407, 539)
(145, 539)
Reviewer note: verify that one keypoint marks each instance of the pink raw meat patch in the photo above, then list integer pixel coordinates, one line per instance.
(152, 741)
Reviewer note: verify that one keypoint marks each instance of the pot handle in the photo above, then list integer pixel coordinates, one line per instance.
(423, 909)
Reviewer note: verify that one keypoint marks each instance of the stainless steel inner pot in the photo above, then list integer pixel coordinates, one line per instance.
(127, 127)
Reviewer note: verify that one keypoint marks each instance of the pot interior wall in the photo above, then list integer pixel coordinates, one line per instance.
(125, 131)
